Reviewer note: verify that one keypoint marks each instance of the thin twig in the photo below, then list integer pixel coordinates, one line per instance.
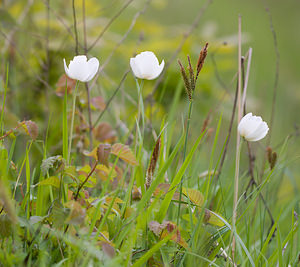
(275, 88)
(246, 79)
(109, 23)
(237, 158)
(186, 35)
(22, 16)
(217, 74)
(86, 179)
(250, 155)
(228, 135)
(133, 22)
(59, 18)
(25, 60)
(75, 26)
(111, 98)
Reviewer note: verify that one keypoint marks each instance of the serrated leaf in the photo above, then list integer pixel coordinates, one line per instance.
(58, 214)
(194, 195)
(100, 153)
(53, 181)
(124, 153)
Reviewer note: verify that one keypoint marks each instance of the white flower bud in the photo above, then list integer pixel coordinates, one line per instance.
(82, 69)
(146, 66)
(252, 128)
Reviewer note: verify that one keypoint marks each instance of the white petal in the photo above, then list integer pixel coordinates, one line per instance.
(80, 59)
(66, 69)
(253, 124)
(252, 128)
(135, 68)
(78, 68)
(146, 66)
(93, 65)
(242, 128)
(260, 133)
(158, 70)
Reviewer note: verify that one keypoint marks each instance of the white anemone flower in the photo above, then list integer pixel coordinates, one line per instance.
(146, 66)
(82, 69)
(253, 128)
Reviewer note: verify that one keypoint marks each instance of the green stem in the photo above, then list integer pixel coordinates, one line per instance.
(72, 121)
(236, 191)
(184, 154)
(140, 104)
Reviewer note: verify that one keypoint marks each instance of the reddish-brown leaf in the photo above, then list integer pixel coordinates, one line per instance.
(61, 85)
(98, 103)
(105, 133)
(124, 153)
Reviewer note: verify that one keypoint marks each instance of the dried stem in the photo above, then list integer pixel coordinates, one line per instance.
(75, 27)
(275, 88)
(229, 133)
(252, 181)
(238, 146)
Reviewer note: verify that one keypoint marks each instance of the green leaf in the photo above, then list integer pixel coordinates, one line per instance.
(194, 195)
(58, 214)
(53, 181)
(5, 226)
(176, 181)
(213, 218)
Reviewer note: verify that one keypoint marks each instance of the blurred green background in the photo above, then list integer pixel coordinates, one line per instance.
(37, 35)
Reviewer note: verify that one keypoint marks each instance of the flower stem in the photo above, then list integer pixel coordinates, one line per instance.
(140, 109)
(90, 118)
(72, 121)
(184, 154)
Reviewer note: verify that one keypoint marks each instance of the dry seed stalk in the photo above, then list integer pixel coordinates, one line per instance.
(192, 76)
(201, 59)
(190, 82)
(186, 81)
(153, 162)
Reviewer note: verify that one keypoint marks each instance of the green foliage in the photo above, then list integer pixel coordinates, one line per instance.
(108, 198)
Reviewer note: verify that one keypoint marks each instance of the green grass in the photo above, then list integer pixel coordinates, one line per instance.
(184, 218)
